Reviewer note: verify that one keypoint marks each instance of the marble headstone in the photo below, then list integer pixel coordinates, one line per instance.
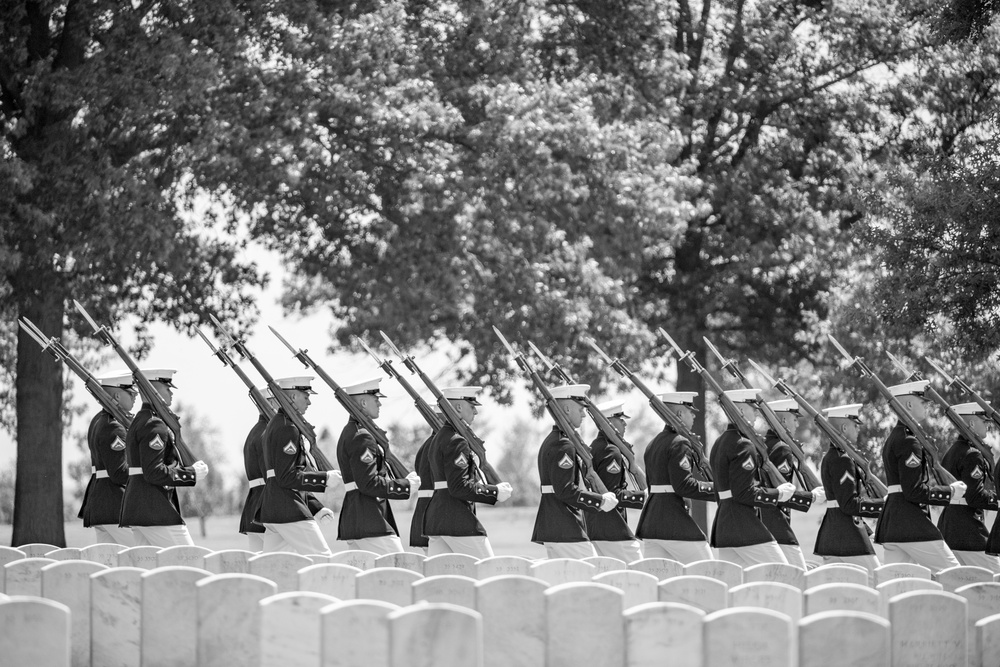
(141, 557)
(462, 565)
(842, 597)
(723, 570)
(638, 587)
(894, 587)
(363, 560)
(34, 632)
(453, 589)
(781, 573)
(988, 640)
(661, 568)
(900, 571)
(69, 553)
(954, 578)
(705, 593)
(435, 635)
(24, 577)
(170, 616)
(334, 579)
(290, 629)
(402, 559)
(116, 611)
(983, 600)
(281, 568)
(104, 553)
(389, 584)
(355, 632)
(183, 555)
(502, 565)
(229, 619)
(562, 571)
(748, 638)
(928, 628)
(768, 595)
(9, 554)
(659, 629)
(229, 561)
(585, 625)
(843, 639)
(836, 574)
(68, 582)
(36, 549)
(513, 610)
(605, 563)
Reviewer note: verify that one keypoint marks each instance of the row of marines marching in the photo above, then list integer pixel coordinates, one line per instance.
(586, 491)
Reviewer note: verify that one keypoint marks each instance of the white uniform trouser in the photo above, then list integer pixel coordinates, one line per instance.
(472, 545)
(934, 554)
(381, 545)
(868, 562)
(301, 537)
(255, 541)
(755, 554)
(978, 559)
(569, 549)
(793, 554)
(625, 551)
(109, 533)
(161, 536)
(682, 551)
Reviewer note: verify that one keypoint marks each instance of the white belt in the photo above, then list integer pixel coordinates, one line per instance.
(425, 493)
(103, 474)
(134, 471)
(256, 482)
(439, 486)
(725, 495)
(832, 504)
(661, 488)
(93, 469)
(895, 488)
(547, 488)
(270, 473)
(350, 486)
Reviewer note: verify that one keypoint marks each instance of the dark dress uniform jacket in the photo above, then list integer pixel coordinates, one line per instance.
(993, 542)
(842, 532)
(962, 525)
(106, 438)
(150, 498)
(452, 510)
(778, 519)
(286, 497)
(672, 461)
(905, 517)
(366, 511)
(560, 512)
(253, 464)
(423, 468)
(610, 466)
(734, 467)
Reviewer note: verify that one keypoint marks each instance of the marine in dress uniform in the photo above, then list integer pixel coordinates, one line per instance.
(738, 532)
(843, 535)
(289, 478)
(677, 474)
(423, 469)
(450, 523)
(366, 520)
(255, 468)
(778, 519)
(905, 529)
(962, 524)
(609, 531)
(150, 506)
(102, 508)
(559, 523)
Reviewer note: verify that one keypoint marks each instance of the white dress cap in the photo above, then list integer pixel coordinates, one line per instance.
(369, 386)
(909, 388)
(164, 375)
(784, 405)
(300, 382)
(120, 379)
(850, 411)
(742, 395)
(570, 391)
(612, 409)
(969, 409)
(678, 397)
(462, 394)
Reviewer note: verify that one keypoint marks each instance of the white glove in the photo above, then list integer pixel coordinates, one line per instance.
(819, 495)
(414, 483)
(325, 515)
(785, 491)
(504, 490)
(200, 470)
(957, 490)
(609, 502)
(333, 476)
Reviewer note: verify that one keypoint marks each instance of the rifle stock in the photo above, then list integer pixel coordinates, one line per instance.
(149, 392)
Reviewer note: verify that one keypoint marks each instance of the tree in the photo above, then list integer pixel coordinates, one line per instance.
(517, 464)
(210, 495)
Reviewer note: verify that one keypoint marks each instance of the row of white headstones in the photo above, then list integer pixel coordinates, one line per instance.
(190, 606)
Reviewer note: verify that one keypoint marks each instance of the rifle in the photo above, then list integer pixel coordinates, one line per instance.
(955, 418)
(54, 347)
(876, 487)
(562, 423)
(991, 412)
(396, 467)
(635, 479)
(461, 426)
(659, 407)
(284, 402)
(897, 407)
(258, 399)
(146, 388)
(732, 412)
(423, 407)
(808, 476)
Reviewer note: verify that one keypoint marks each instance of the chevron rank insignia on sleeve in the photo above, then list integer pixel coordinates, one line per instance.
(748, 464)
(977, 473)
(289, 448)
(613, 467)
(785, 468)
(461, 461)
(846, 476)
(913, 461)
(156, 443)
(565, 462)
(685, 464)
(118, 444)
(367, 457)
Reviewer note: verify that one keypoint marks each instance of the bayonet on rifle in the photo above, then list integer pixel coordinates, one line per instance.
(961, 384)
(425, 410)
(258, 399)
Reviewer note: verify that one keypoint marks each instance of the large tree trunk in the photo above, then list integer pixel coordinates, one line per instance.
(38, 491)
(688, 380)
